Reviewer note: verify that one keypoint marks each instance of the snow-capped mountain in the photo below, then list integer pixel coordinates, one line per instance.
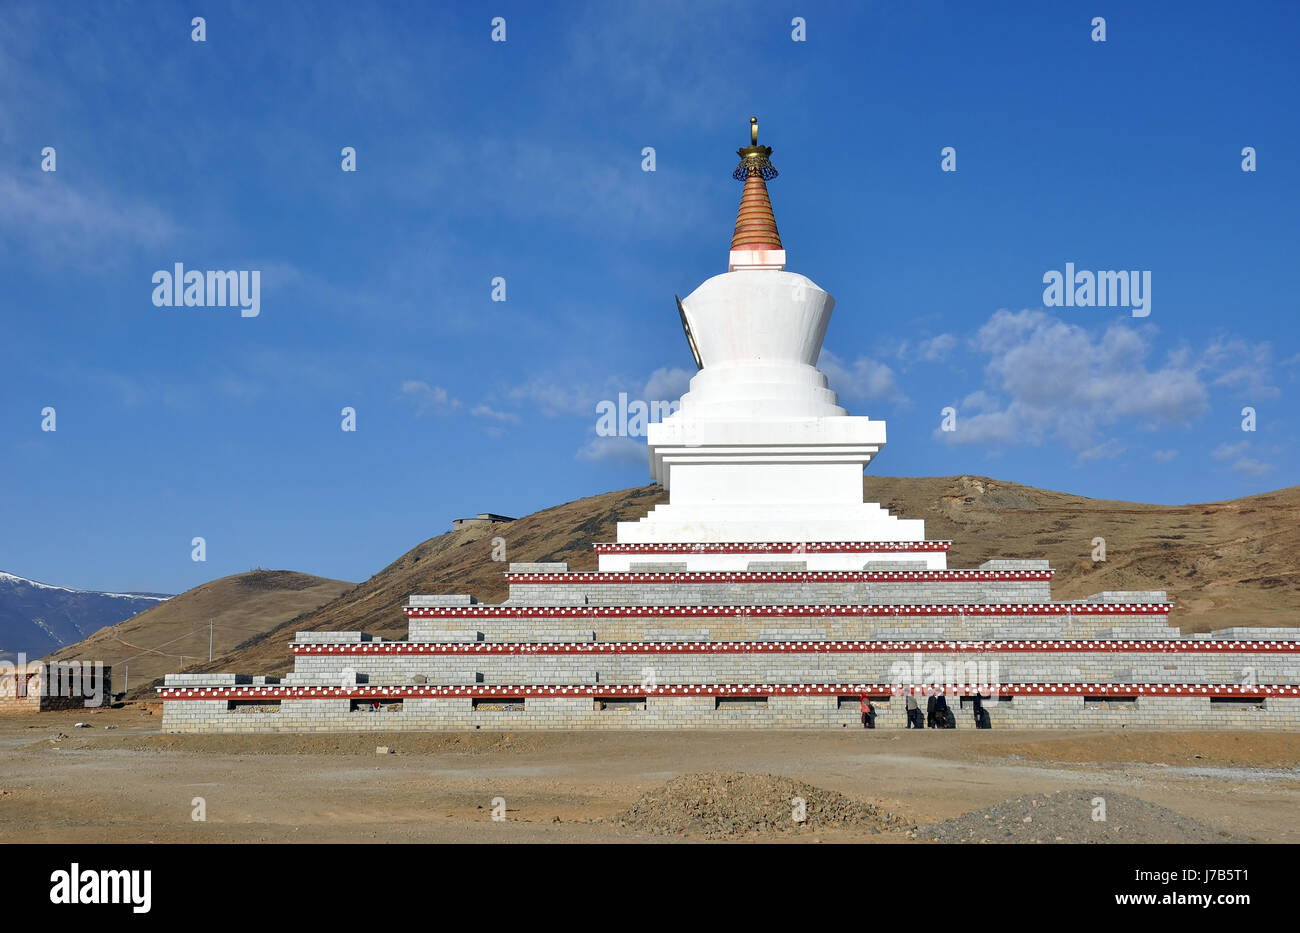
(38, 618)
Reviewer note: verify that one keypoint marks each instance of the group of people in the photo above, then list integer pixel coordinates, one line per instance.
(937, 713)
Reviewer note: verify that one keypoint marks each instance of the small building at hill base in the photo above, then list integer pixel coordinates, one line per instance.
(39, 686)
(483, 518)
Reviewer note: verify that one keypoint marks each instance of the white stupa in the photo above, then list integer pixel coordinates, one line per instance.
(766, 594)
(760, 451)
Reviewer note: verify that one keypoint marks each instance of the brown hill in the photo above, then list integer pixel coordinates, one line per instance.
(174, 634)
(1224, 563)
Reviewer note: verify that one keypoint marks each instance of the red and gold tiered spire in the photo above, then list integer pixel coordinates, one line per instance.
(755, 222)
(755, 244)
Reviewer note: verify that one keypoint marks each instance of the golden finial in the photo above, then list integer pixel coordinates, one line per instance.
(754, 158)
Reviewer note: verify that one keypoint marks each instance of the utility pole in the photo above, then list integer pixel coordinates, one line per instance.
(210, 621)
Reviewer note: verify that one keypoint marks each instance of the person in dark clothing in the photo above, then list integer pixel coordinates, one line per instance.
(913, 711)
(940, 711)
(868, 713)
(931, 707)
(978, 709)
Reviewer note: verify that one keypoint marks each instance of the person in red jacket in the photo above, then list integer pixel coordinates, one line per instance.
(868, 713)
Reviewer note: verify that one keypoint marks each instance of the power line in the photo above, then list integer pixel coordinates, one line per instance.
(154, 650)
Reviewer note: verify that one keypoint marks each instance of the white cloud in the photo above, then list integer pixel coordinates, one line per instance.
(937, 348)
(667, 384)
(484, 411)
(64, 223)
(554, 399)
(429, 399)
(1164, 456)
(980, 401)
(1062, 383)
(990, 428)
(1235, 456)
(1242, 367)
(864, 380)
(621, 450)
(1229, 451)
(1106, 450)
(1252, 467)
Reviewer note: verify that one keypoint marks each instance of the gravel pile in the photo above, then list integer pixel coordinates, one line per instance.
(1068, 817)
(735, 804)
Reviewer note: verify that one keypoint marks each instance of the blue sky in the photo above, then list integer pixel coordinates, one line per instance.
(523, 160)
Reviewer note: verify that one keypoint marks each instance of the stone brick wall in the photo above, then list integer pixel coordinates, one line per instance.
(742, 627)
(595, 593)
(19, 690)
(668, 713)
(794, 667)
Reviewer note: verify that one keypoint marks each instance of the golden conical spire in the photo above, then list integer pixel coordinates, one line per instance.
(755, 222)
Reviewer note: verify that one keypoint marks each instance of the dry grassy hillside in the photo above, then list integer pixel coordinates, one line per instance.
(1224, 563)
(173, 634)
(455, 562)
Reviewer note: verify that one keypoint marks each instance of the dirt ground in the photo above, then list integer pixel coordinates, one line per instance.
(133, 784)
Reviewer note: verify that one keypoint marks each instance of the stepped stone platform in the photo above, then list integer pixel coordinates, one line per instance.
(666, 645)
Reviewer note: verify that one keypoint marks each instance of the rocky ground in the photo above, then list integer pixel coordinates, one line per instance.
(728, 805)
(131, 783)
(1074, 816)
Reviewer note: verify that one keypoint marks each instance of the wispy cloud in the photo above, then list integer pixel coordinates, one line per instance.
(674, 58)
(1235, 456)
(1242, 367)
(864, 379)
(63, 223)
(936, 348)
(626, 451)
(429, 399)
(1107, 450)
(555, 398)
(667, 384)
(491, 414)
